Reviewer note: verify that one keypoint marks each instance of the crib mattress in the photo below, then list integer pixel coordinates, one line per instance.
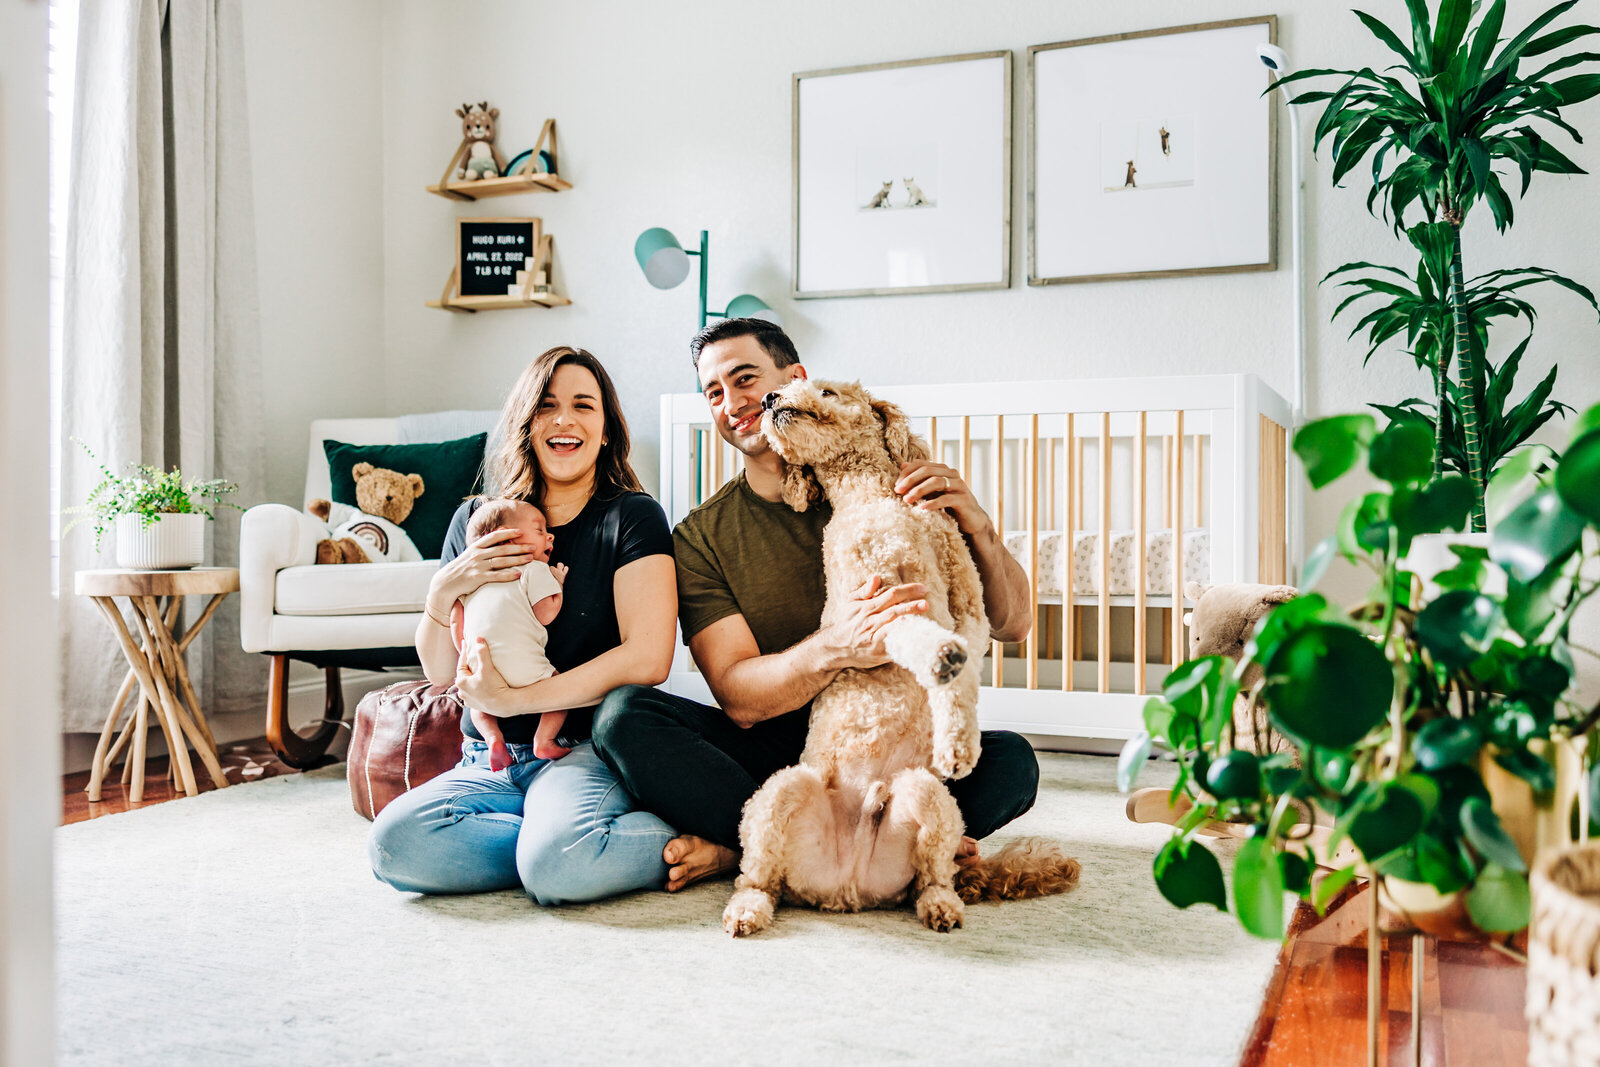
(1124, 562)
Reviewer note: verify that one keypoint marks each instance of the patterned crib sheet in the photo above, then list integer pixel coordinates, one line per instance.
(1086, 560)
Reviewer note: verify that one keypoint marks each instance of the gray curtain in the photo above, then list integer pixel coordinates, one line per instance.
(162, 342)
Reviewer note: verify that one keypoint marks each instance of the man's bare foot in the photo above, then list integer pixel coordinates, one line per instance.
(691, 859)
(967, 851)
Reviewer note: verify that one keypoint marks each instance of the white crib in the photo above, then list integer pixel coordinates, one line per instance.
(1121, 463)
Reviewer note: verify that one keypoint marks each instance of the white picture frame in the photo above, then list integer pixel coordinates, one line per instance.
(1150, 154)
(902, 177)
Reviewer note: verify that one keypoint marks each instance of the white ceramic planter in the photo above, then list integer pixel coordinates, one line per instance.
(172, 542)
(1430, 554)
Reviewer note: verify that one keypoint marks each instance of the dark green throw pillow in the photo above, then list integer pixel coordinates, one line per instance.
(451, 471)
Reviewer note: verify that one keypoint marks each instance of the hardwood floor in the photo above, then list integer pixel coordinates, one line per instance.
(242, 761)
(1314, 1012)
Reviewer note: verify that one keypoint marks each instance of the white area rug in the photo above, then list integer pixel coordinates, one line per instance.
(243, 926)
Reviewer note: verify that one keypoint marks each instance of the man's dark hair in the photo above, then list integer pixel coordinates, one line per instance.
(768, 335)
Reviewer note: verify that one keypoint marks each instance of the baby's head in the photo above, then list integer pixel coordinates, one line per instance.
(506, 513)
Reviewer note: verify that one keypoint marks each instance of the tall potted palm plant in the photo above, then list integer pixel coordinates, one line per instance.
(1434, 126)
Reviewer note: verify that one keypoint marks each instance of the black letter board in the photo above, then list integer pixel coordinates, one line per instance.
(490, 253)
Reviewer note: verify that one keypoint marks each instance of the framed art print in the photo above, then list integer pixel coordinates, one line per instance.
(1151, 154)
(902, 177)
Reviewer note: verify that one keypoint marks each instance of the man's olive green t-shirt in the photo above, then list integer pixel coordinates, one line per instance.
(738, 554)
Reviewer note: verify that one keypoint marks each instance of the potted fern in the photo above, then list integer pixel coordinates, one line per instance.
(159, 516)
(1435, 125)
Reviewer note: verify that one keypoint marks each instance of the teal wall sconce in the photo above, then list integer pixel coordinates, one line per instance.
(665, 263)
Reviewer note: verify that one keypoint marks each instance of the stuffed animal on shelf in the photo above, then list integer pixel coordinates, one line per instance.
(370, 533)
(477, 155)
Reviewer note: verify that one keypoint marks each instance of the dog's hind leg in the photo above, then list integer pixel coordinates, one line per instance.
(954, 711)
(764, 833)
(919, 799)
(932, 654)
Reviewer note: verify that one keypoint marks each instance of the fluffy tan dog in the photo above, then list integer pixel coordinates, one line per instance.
(864, 819)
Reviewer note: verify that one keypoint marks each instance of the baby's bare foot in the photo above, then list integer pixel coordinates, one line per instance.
(691, 859)
(967, 851)
(499, 755)
(549, 750)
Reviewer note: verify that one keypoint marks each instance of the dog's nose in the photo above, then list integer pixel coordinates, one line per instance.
(768, 401)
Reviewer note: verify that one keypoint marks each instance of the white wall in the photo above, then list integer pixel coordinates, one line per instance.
(314, 73)
(678, 116)
(27, 630)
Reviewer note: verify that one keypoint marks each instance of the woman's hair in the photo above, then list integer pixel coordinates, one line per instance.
(513, 470)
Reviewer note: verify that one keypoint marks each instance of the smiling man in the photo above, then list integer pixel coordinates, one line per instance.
(750, 599)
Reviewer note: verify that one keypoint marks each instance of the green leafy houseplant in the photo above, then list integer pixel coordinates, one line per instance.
(1457, 103)
(1397, 306)
(149, 493)
(1392, 707)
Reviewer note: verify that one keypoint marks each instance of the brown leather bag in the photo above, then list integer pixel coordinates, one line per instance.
(405, 734)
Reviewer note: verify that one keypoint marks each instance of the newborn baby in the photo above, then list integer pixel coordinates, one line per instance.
(511, 617)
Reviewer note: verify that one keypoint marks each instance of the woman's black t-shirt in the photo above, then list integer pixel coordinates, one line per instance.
(587, 624)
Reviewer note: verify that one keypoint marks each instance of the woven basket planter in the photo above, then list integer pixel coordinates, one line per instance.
(1564, 960)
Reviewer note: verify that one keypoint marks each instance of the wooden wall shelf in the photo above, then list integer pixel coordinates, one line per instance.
(484, 188)
(505, 185)
(493, 303)
(532, 288)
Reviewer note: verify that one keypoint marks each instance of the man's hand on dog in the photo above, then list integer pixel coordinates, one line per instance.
(857, 639)
(926, 486)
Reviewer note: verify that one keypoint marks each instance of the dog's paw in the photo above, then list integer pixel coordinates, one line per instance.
(950, 657)
(955, 758)
(748, 912)
(940, 909)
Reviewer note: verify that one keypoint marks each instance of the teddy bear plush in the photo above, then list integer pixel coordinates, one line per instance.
(1221, 624)
(370, 533)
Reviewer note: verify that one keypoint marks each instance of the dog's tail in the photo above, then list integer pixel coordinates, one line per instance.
(1031, 867)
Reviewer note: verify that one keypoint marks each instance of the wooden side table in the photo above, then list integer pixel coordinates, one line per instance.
(156, 663)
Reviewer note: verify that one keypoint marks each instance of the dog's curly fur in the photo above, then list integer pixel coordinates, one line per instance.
(865, 819)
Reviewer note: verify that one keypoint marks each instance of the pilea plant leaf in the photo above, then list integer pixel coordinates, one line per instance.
(1132, 759)
(1403, 453)
(1578, 477)
(1330, 447)
(1481, 827)
(1499, 901)
(1187, 873)
(1457, 626)
(1258, 889)
(1331, 685)
(1539, 534)
(1446, 741)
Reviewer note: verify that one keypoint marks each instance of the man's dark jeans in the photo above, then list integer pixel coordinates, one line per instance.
(690, 764)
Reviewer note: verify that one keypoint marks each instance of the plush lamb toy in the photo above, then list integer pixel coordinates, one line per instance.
(371, 534)
(1222, 622)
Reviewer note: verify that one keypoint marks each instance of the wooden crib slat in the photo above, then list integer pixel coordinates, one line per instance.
(716, 463)
(1177, 545)
(703, 441)
(1078, 460)
(1032, 497)
(998, 650)
(1069, 630)
(1105, 553)
(1140, 493)
(1272, 551)
(966, 450)
(933, 437)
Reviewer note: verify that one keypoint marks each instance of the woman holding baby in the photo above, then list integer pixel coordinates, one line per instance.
(562, 829)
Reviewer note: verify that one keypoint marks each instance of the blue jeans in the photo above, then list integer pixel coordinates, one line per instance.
(565, 831)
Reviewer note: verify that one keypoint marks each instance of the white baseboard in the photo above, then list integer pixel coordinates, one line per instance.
(305, 707)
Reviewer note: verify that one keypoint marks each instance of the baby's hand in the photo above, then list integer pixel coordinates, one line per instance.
(560, 572)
